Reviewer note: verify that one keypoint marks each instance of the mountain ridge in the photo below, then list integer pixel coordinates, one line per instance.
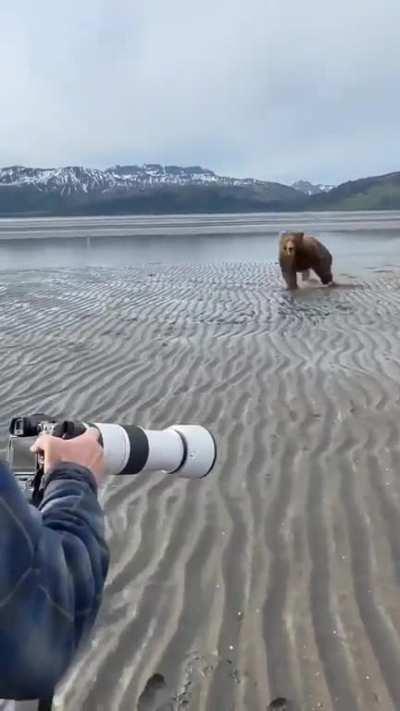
(153, 189)
(81, 179)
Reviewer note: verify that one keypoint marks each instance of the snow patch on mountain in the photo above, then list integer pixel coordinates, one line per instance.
(77, 179)
(307, 188)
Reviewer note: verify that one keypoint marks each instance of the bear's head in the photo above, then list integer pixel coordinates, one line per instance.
(289, 243)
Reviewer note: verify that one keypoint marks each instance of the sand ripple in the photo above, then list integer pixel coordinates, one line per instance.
(278, 576)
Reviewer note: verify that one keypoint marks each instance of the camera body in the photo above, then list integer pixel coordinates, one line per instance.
(27, 466)
(188, 451)
(34, 425)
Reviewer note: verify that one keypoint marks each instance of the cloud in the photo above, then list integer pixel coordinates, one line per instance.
(267, 88)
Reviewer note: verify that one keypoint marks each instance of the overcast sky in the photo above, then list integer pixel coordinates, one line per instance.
(273, 89)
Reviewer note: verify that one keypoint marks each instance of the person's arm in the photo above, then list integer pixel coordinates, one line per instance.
(53, 566)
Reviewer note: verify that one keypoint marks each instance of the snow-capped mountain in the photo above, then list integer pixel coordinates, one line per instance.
(136, 189)
(307, 188)
(77, 179)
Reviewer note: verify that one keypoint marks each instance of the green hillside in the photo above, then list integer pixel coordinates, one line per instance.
(376, 193)
(255, 197)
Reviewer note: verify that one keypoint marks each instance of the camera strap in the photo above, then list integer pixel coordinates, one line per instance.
(37, 488)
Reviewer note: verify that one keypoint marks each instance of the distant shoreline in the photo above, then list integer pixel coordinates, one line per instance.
(190, 214)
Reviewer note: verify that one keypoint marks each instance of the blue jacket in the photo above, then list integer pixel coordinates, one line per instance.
(53, 564)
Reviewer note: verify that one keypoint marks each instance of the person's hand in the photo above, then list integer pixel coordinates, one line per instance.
(84, 450)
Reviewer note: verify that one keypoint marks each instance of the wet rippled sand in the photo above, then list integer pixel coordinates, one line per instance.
(278, 575)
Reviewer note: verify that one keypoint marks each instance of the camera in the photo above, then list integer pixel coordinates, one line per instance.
(187, 451)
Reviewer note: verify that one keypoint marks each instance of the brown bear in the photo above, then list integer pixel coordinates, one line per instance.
(300, 253)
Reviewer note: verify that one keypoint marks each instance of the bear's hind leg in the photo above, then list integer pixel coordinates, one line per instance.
(327, 279)
(324, 275)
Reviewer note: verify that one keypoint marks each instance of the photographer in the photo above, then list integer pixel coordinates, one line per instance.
(54, 562)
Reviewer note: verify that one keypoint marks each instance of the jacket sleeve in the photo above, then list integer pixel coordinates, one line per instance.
(54, 563)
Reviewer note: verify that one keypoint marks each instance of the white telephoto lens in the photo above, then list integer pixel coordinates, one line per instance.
(188, 451)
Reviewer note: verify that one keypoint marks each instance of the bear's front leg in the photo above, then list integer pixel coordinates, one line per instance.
(290, 278)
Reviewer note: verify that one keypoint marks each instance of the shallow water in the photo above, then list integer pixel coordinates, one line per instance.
(358, 240)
